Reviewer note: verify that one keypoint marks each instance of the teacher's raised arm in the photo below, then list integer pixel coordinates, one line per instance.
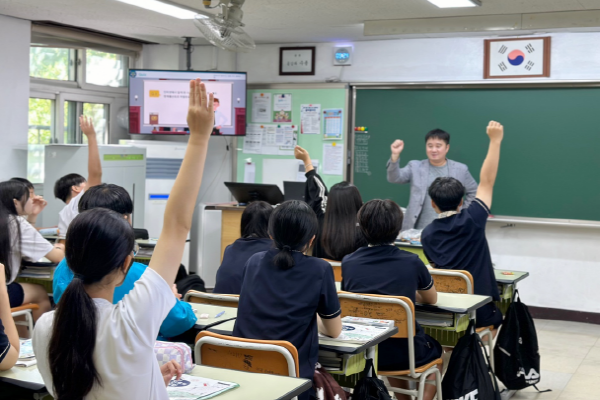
(421, 173)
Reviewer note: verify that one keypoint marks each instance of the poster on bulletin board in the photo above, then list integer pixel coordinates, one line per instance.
(333, 123)
(282, 108)
(310, 119)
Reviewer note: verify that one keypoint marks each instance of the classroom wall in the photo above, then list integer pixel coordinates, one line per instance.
(428, 59)
(15, 35)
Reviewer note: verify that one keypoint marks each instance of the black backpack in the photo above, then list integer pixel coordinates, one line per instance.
(469, 376)
(370, 388)
(516, 355)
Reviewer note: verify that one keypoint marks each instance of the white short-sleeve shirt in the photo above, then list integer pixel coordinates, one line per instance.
(124, 355)
(68, 214)
(33, 244)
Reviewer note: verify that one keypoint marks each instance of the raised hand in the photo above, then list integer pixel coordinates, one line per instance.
(301, 154)
(201, 115)
(397, 148)
(495, 131)
(87, 127)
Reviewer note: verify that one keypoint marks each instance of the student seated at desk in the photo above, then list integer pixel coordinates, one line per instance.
(284, 290)
(255, 238)
(338, 234)
(71, 187)
(90, 348)
(382, 268)
(9, 338)
(23, 242)
(38, 201)
(456, 240)
(113, 197)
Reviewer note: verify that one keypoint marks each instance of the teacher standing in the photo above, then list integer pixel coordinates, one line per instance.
(421, 174)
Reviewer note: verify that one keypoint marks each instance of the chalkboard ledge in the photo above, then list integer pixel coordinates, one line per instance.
(574, 223)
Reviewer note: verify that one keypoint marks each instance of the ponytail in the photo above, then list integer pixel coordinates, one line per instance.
(284, 258)
(72, 344)
(292, 226)
(10, 191)
(98, 244)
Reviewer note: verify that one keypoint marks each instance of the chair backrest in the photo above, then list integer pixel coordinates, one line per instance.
(452, 281)
(275, 357)
(25, 311)
(223, 300)
(400, 309)
(337, 269)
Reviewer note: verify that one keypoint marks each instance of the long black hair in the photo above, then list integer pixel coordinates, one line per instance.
(10, 191)
(107, 195)
(5, 248)
(292, 225)
(255, 220)
(339, 237)
(98, 243)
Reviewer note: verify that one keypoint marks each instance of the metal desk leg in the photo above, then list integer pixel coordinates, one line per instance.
(370, 354)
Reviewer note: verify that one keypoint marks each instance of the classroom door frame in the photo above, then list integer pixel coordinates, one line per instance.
(512, 84)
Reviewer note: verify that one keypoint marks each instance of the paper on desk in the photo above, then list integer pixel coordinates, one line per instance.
(194, 387)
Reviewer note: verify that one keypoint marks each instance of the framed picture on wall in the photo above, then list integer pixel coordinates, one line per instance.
(517, 58)
(296, 60)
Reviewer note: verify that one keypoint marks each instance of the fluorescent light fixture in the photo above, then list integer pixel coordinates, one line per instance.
(455, 3)
(163, 8)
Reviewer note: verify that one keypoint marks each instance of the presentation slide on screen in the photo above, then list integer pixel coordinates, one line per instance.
(166, 102)
(158, 101)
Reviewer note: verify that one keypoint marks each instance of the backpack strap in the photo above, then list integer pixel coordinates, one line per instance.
(541, 391)
(490, 370)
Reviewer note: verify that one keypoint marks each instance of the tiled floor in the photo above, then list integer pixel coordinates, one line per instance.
(570, 354)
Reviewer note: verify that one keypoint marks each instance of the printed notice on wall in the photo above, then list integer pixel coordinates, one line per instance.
(261, 107)
(333, 123)
(249, 172)
(253, 139)
(333, 158)
(310, 119)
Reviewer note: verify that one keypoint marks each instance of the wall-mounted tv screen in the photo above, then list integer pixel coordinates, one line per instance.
(158, 101)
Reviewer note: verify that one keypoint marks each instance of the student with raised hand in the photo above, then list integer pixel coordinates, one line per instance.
(456, 240)
(71, 187)
(181, 318)
(38, 202)
(382, 268)
(21, 241)
(255, 238)
(90, 348)
(287, 295)
(336, 211)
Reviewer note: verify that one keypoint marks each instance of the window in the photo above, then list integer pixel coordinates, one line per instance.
(52, 63)
(40, 133)
(99, 115)
(106, 69)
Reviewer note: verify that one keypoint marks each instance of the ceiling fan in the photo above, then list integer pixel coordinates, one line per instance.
(225, 29)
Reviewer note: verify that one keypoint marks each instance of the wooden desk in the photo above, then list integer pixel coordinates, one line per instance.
(231, 220)
(26, 377)
(201, 324)
(254, 386)
(455, 303)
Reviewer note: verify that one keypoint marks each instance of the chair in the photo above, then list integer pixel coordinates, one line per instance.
(224, 300)
(337, 269)
(460, 281)
(141, 233)
(402, 311)
(26, 311)
(275, 357)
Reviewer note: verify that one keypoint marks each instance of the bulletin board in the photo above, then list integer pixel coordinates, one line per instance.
(328, 97)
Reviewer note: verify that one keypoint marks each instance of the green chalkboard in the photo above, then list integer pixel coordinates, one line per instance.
(550, 157)
(327, 98)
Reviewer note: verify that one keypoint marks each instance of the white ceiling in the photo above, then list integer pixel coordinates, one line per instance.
(267, 21)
